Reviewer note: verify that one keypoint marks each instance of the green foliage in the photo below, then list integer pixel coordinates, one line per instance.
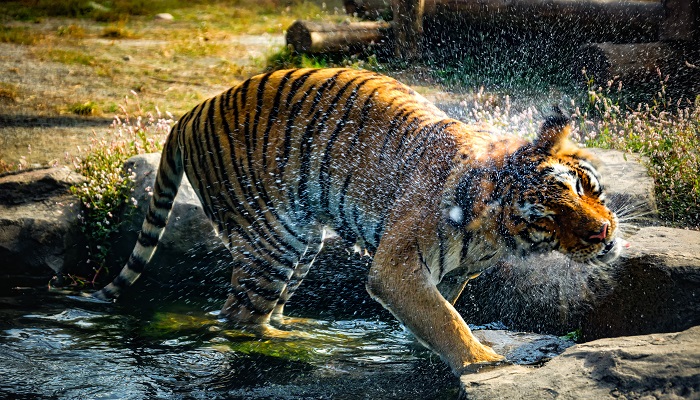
(574, 336)
(287, 58)
(666, 133)
(18, 35)
(108, 187)
(87, 108)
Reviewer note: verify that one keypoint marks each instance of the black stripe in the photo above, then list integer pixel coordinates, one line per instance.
(120, 282)
(306, 144)
(252, 285)
(155, 219)
(441, 245)
(260, 96)
(272, 117)
(146, 239)
(135, 263)
(245, 186)
(324, 175)
(248, 304)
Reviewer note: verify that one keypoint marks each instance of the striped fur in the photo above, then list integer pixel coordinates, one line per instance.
(279, 157)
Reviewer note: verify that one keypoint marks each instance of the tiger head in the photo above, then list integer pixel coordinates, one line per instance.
(555, 199)
(538, 197)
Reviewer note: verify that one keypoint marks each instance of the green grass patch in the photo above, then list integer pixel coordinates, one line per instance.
(19, 35)
(8, 92)
(286, 58)
(87, 108)
(70, 57)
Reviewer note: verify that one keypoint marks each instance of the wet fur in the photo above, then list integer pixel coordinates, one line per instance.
(435, 201)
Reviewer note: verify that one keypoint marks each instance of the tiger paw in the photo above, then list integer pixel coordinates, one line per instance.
(482, 366)
(269, 332)
(296, 322)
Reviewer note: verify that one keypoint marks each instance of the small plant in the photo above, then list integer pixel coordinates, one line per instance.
(286, 58)
(665, 132)
(87, 108)
(117, 31)
(108, 187)
(8, 92)
(72, 30)
(18, 36)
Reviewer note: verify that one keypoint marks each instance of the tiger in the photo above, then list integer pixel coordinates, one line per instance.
(285, 155)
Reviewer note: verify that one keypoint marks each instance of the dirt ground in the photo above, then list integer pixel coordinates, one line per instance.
(43, 83)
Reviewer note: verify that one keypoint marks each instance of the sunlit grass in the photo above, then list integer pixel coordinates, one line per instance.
(19, 35)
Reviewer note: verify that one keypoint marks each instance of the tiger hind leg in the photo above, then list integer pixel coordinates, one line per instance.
(260, 286)
(301, 268)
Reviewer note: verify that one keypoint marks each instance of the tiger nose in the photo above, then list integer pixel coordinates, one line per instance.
(600, 236)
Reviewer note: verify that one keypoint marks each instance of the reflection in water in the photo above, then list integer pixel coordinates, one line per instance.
(54, 347)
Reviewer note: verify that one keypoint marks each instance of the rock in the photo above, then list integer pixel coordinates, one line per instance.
(650, 366)
(163, 17)
(658, 286)
(630, 189)
(39, 233)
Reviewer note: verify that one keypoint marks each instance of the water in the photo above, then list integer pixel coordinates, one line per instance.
(53, 346)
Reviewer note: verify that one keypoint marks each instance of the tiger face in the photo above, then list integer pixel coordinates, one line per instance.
(558, 201)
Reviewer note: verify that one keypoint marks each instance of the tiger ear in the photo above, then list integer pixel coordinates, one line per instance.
(554, 133)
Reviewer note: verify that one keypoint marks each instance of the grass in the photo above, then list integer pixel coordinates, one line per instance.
(8, 92)
(70, 57)
(87, 108)
(664, 131)
(19, 35)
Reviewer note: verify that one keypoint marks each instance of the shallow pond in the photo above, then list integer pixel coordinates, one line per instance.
(54, 346)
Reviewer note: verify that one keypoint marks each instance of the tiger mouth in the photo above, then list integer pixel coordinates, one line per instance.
(607, 248)
(610, 251)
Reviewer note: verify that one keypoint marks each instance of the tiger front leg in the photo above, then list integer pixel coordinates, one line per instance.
(399, 280)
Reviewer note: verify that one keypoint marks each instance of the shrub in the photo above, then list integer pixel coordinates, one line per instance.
(665, 132)
(108, 187)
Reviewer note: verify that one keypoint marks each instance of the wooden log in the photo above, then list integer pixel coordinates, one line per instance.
(320, 37)
(630, 8)
(630, 63)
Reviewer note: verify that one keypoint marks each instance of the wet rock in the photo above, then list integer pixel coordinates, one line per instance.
(39, 234)
(657, 290)
(627, 183)
(650, 366)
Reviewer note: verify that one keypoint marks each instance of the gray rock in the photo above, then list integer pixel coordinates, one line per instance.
(39, 234)
(630, 189)
(651, 366)
(163, 17)
(654, 287)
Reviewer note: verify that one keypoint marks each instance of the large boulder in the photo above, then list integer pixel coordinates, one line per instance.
(632, 367)
(39, 234)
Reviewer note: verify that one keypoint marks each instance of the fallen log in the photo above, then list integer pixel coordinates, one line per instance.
(645, 9)
(319, 37)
